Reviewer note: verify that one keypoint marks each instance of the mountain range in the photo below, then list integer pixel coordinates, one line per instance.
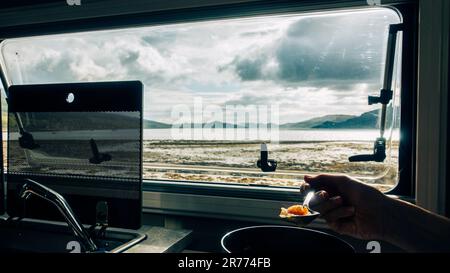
(368, 120)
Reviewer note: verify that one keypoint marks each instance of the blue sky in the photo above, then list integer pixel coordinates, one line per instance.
(310, 66)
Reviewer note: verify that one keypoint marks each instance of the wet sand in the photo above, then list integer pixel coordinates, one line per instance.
(235, 162)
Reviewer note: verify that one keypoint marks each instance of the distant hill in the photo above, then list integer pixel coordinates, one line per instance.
(219, 124)
(213, 124)
(369, 120)
(150, 124)
(47, 121)
(316, 122)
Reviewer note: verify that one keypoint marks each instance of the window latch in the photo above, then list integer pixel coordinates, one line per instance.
(98, 157)
(26, 141)
(384, 98)
(379, 153)
(264, 163)
(386, 95)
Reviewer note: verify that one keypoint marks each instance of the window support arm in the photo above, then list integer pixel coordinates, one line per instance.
(386, 95)
(26, 140)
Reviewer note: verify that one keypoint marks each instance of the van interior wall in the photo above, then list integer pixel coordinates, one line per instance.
(432, 98)
(447, 212)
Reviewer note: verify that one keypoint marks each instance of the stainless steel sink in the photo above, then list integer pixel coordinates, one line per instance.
(29, 235)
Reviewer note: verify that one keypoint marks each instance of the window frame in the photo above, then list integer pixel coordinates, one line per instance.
(181, 192)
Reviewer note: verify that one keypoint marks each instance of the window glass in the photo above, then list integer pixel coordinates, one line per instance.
(216, 90)
(104, 144)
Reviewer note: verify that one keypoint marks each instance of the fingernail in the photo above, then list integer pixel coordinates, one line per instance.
(322, 194)
(304, 187)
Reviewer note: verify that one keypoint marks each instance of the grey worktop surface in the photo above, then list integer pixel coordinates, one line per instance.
(162, 240)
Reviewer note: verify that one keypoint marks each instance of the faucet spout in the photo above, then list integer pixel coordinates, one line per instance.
(34, 188)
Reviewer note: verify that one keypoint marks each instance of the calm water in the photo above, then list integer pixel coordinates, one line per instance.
(219, 134)
(283, 135)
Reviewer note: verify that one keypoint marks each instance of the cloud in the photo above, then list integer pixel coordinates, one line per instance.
(302, 103)
(259, 33)
(249, 70)
(250, 99)
(332, 48)
(129, 57)
(160, 38)
(324, 48)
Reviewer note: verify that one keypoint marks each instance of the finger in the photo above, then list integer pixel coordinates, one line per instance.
(305, 187)
(319, 198)
(320, 182)
(339, 214)
(333, 184)
(327, 205)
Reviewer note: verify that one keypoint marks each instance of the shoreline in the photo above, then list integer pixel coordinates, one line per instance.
(235, 162)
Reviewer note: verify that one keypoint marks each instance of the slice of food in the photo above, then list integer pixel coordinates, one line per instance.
(297, 210)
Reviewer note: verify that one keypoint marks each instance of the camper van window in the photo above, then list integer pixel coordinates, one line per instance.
(217, 92)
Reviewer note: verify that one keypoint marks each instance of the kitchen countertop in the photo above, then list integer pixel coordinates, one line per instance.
(162, 240)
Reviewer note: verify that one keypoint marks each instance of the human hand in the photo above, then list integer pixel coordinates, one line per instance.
(349, 206)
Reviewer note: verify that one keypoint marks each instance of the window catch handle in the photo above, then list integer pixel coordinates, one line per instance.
(384, 98)
(386, 95)
(379, 153)
(264, 163)
(97, 156)
(26, 141)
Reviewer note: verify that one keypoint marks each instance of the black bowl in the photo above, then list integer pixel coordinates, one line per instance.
(282, 239)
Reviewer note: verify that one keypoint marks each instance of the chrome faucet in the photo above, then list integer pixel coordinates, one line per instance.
(33, 188)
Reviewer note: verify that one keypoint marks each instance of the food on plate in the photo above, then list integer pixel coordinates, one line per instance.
(297, 210)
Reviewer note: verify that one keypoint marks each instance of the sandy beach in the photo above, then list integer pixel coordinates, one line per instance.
(235, 162)
(232, 162)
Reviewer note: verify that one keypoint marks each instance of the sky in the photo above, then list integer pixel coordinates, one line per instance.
(307, 65)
